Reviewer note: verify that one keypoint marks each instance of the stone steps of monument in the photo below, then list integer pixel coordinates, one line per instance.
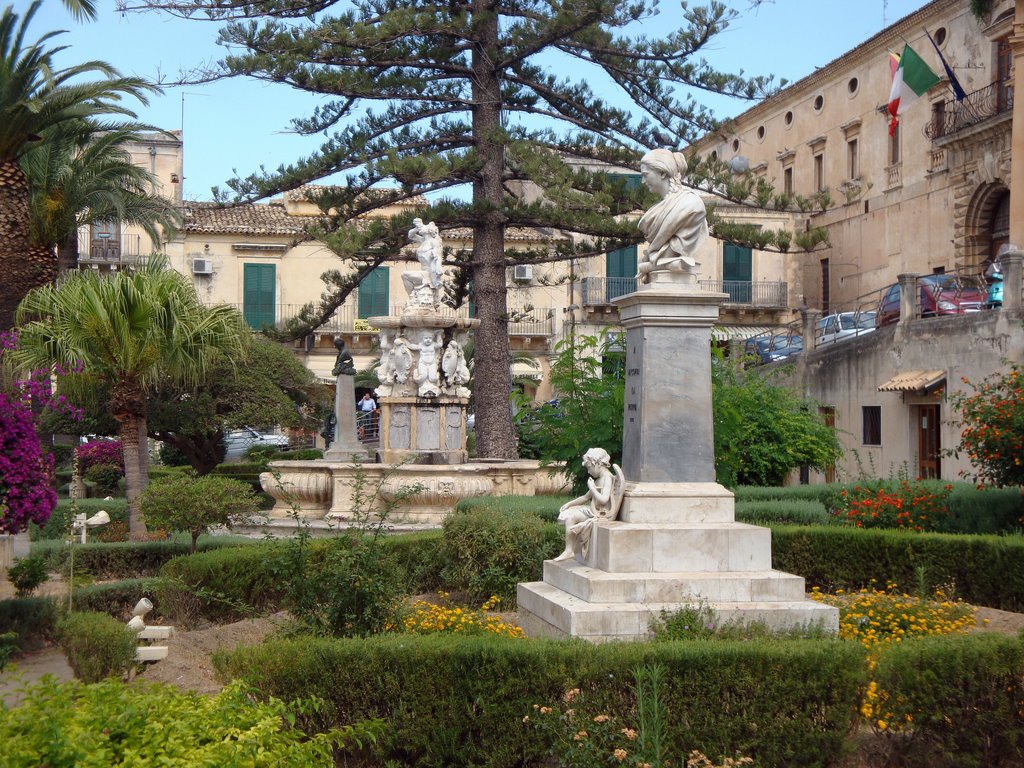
(545, 610)
(594, 585)
(622, 547)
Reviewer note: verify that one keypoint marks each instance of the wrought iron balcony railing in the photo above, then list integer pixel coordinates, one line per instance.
(126, 249)
(976, 107)
(599, 291)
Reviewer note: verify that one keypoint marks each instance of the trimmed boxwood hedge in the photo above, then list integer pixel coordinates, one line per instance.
(32, 619)
(985, 570)
(126, 559)
(797, 512)
(453, 701)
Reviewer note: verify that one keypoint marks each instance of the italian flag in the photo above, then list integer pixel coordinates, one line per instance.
(911, 79)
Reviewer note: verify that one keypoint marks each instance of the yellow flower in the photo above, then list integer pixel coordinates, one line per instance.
(602, 719)
(629, 733)
(619, 754)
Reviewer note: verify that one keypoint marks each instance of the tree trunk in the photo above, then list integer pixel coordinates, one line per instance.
(143, 454)
(67, 253)
(19, 274)
(495, 437)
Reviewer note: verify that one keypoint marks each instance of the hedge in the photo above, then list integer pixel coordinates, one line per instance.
(118, 598)
(544, 506)
(795, 512)
(984, 570)
(97, 646)
(452, 701)
(33, 619)
(126, 559)
(955, 701)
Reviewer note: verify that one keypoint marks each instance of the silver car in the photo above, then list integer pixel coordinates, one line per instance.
(238, 441)
(843, 325)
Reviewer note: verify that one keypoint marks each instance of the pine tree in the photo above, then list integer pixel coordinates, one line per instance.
(490, 94)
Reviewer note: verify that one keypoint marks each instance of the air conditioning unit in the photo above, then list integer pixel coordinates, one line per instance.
(522, 273)
(202, 266)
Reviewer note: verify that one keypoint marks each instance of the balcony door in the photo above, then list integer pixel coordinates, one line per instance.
(373, 293)
(258, 294)
(737, 271)
(620, 270)
(105, 241)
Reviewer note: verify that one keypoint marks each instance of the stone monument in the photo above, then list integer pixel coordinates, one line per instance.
(675, 542)
(344, 445)
(423, 372)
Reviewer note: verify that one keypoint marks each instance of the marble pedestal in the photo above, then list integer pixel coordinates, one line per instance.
(346, 445)
(675, 543)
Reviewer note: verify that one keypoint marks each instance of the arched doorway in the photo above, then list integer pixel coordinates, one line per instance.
(987, 227)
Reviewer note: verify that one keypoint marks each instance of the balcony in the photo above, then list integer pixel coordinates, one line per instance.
(599, 291)
(524, 321)
(976, 107)
(126, 249)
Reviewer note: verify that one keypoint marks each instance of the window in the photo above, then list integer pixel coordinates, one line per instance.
(632, 180)
(259, 282)
(819, 173)
(852, 85)
(105, 241)
(760, 132)
(1004, 75)
(787, 180)
(789, 118)
(852, 159)
(620, 271)
(872, 418)
(737, 270)
(894, 146)
(819, 102)
(373, 294)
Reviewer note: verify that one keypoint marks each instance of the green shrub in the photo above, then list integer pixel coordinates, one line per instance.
(991, 510)
(107, 478)
(107, 723)
(32, 619)
(820, 493)
(487, 551)
(794, 512)
(125, 559)
(246, 472)
(197, 504)
(221, 585)
(97, 645)
(62, 455)
(8, 647)
(59, 524)
(984, 570)
(451, 701)
(118, 598)
(300, 454)
(27, 575)
(955, 696)
(545, 507)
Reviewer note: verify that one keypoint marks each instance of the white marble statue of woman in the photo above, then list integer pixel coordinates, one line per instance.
(424, 287)
(425, 375)
(602, 500)
(676, 225)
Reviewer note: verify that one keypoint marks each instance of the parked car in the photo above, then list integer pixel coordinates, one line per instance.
(789, 346)
(762, 346)
(843, 325)
(994, 295)
(238, 441)
(946, 294)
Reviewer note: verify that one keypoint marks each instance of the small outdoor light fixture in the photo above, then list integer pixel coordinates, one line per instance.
(142, 607)
(83, 524)
(136, 624)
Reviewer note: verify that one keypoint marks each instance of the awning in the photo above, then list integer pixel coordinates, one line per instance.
(729, 332)
(522, 370)
(913, 381)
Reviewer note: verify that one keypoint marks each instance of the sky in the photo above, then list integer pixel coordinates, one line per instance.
(238, 125)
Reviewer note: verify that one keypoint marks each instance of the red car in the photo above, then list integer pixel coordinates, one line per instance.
(938, 295)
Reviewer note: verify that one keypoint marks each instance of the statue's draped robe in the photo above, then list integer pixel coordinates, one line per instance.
(674, 228)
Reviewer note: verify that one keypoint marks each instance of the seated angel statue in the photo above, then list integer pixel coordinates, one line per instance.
(602, 500)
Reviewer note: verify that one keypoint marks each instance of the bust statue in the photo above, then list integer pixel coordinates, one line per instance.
(343, 364)
(676, 225)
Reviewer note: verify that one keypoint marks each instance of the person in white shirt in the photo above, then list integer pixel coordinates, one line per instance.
(367, 404)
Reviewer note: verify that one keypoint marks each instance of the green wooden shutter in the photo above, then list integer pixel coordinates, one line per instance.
(373, 294)
(259, 284)
(620, 270)
(737, 270)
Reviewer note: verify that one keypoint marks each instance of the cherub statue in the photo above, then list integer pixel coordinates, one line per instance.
(425, 374)
(602, 500)
(676, 225)
(424, 287)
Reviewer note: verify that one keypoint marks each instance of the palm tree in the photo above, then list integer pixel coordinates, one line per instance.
(129, 329)
(72, 185)
(36, 96)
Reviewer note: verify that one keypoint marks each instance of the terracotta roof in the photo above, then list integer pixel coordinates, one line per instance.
(303, 193)
(913, 381)
(511, 233)
(251, 219)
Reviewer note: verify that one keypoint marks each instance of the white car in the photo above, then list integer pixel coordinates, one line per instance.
(238, 441)
(843, 325)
